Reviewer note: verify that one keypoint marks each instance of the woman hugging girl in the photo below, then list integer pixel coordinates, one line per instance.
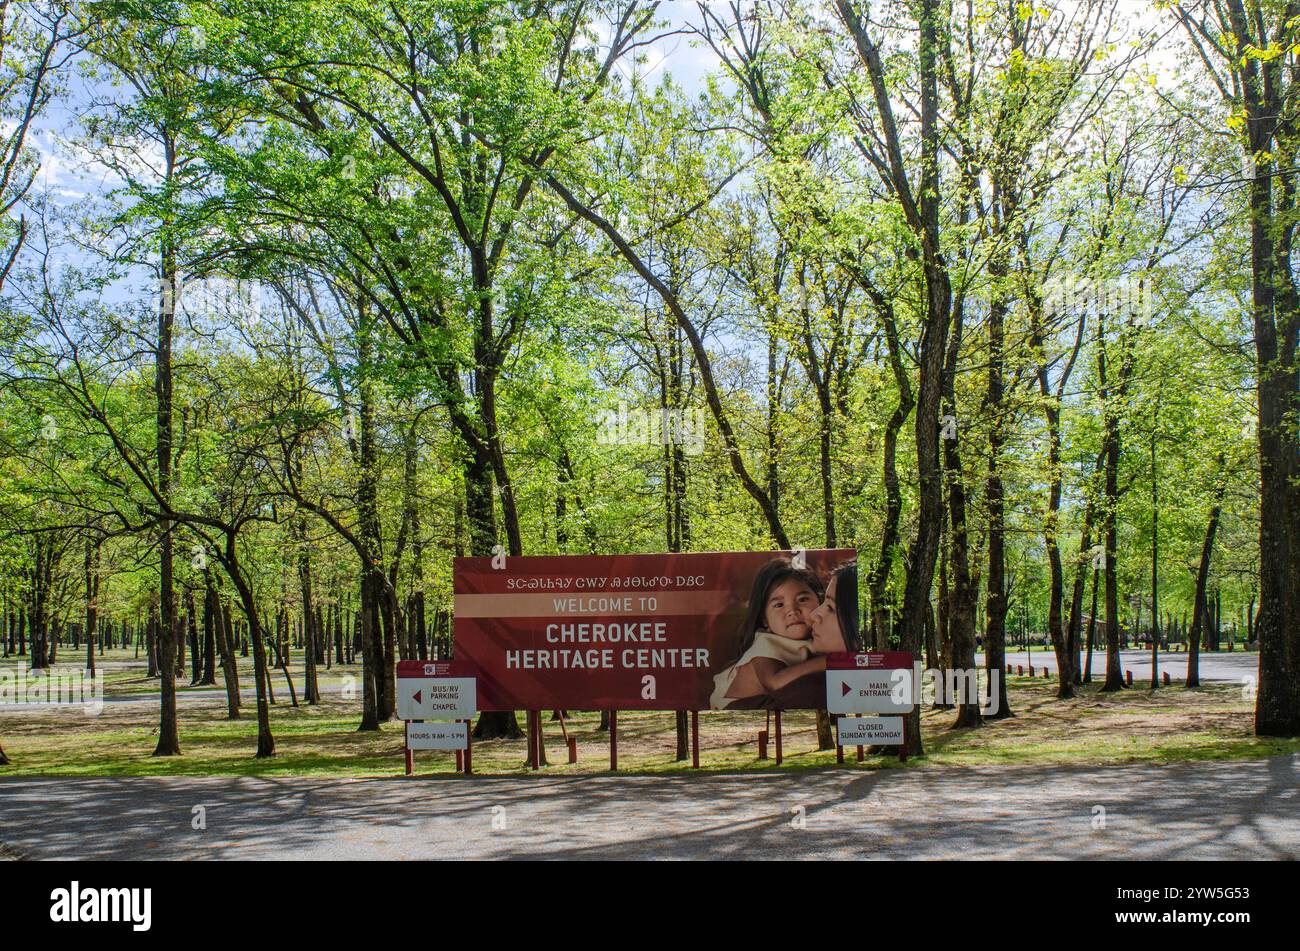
(791, 625)
(775, 635)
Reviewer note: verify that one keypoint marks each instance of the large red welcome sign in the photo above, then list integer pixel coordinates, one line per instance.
(649, 632)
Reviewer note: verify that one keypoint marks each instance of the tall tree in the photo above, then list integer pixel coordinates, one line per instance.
(1249, 52)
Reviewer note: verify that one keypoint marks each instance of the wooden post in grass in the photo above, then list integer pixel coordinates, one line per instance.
(613, 740)
(570, 742)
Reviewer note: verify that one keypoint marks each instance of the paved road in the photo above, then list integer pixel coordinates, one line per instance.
(1213, 667)
(1206, 810)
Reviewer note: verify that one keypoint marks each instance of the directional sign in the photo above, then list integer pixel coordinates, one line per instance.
(441, 690)
(437, 736)
(868, 691)
(441, 698)
(870, 731)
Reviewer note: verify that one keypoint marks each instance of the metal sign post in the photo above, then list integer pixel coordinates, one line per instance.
(613, 740)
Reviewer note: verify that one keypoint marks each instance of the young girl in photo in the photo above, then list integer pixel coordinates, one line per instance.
(775, 637)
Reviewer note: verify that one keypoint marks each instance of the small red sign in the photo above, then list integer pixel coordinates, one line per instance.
(882, 660)
(434, 668)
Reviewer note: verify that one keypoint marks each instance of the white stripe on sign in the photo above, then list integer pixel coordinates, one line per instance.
(870, 731)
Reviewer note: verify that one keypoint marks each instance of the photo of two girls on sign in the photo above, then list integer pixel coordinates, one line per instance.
(793, 620)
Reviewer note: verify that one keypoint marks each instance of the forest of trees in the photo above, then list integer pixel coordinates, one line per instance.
(310, 297)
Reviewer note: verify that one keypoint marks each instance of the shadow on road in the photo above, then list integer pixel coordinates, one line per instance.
(1187, 810)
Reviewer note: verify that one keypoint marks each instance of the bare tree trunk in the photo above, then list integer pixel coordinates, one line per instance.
(965, 587)
(192, 630)
(1082, 566)
(339, 638)
(169, 743)
(881, 609)
(390, 615)
(482, 529)
(1155, 563)
(1110, 504)
(151, 641)
(92, 601)
(372, 675)
(995, 602)
(311, 687)
(225, 635)
(261, 672)
(943, 622)
(209, 675)
(1262, 90)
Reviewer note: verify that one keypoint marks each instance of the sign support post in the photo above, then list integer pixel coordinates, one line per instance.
(613, 740)
(777, 724)
(534, 740)
(570, 742)
(695, 739)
